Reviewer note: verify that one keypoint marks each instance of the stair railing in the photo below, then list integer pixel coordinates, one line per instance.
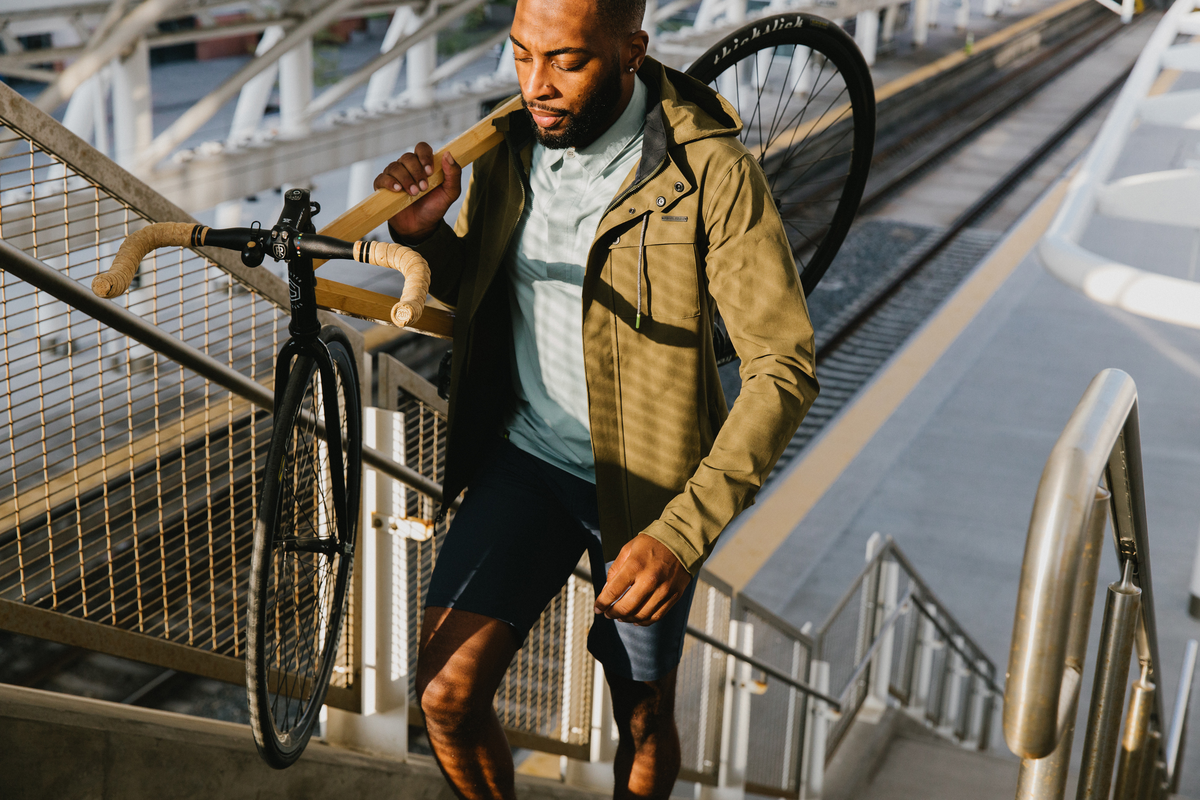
(1100, 442)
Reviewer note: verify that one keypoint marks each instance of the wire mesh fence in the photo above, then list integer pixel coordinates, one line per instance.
(779, 711)
(128, 482)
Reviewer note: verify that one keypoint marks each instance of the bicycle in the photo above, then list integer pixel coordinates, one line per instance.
(800, 63)
(307, 520)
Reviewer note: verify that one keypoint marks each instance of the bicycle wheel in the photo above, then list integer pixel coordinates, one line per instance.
(303, 549)
(807, 104)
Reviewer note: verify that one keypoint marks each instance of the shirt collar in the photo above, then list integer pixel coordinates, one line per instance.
(596, 157)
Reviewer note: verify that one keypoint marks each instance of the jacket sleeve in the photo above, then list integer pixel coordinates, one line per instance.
(445, 251)
(753, 279)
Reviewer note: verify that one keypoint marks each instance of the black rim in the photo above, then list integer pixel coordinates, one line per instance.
(303, 575)
(807, 105)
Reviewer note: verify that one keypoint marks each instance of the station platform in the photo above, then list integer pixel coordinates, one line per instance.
(944, 449)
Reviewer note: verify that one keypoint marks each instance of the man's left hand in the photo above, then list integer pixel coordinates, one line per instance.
(643, 583)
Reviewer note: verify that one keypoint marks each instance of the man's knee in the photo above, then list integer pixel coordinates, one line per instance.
(644, 710)
(463, 657)
(449, 698)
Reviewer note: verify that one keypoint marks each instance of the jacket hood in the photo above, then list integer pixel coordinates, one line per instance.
(690, 110)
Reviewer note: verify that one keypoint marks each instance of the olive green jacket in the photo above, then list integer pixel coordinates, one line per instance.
(671, 460)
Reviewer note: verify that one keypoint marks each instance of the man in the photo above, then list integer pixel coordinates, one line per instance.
(586, 413)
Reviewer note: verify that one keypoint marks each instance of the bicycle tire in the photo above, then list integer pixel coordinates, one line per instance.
(303, 550)
(817, 198)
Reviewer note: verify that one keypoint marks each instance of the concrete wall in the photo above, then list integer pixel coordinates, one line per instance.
(56, 747)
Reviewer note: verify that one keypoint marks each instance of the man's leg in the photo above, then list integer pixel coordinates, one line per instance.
(462, 660)
(647, 760)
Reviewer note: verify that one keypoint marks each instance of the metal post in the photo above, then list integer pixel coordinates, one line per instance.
(866, 34)
(1046, 778)
(420, 63)
(923, 674)
(818, 733)
(1153, 770)
(889, 23)
(735, 723)
(133, 125)
(963, 15)
(1179, 716)
(379, 91)
(881, 669)
(253, 97)
(597, 772)
(1134, 758)
(295, 89)
(1108, 687)
(382, 563)
(920, 12)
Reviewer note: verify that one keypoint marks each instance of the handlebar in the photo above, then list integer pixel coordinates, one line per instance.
(255, 243)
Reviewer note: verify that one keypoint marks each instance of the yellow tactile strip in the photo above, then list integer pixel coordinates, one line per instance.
(797, 492)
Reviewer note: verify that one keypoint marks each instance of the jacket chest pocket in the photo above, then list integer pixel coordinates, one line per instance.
(667, 274)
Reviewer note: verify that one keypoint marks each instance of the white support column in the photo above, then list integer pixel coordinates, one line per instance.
(382, 561)
(991, 7)
(295, 89)
(383, 83)
(648, 23)
(963, 15)
(80, 115)
(420, 62)
(104, 85)
(596, 773)
(735, 727)
(920, 12)
(866, 34)
(926, 648)
(801, 70)
(252, 100)
(133, 123)
(881, 669)
(889, 23)
(818, 734)
(952, 704)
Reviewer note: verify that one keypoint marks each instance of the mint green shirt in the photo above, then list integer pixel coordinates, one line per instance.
(570, 191)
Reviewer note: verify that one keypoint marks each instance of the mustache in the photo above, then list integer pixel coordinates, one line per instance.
(546, 109)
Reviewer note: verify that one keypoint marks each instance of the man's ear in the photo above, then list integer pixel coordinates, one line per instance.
(635, 50)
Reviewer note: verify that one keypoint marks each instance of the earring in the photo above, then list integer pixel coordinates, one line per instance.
(631, 69)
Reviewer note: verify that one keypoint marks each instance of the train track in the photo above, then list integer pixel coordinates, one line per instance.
(872, 326)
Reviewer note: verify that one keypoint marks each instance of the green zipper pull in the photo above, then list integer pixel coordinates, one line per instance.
(637, 322)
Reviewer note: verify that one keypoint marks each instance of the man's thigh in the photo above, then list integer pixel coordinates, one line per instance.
(511, 546)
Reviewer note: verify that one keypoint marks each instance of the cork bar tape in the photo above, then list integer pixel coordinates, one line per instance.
(408, 263)
(137, 245)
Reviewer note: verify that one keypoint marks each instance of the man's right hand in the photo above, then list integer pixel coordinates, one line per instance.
(408, 174)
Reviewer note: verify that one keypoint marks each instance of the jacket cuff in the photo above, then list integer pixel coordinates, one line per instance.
(441, 229)
(688, 555)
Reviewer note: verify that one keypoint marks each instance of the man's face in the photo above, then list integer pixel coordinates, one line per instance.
(569, 68)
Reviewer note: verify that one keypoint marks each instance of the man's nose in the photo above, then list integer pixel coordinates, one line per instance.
(539, 84)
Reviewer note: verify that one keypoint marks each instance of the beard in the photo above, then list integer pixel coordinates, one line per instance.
(584, 126)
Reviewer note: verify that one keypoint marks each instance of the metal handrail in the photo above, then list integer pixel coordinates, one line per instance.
(891, 548)
(1100, 442)
(54, 283)
(762, 666)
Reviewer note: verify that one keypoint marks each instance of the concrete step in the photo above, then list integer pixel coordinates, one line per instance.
(54, 747)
